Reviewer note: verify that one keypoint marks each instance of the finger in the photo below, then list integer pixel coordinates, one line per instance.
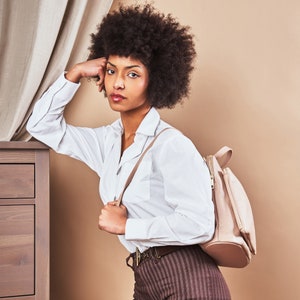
(100, 87)
(100, 225)
(102, 72)
(102, 61)
(112, 203)
(100, 83)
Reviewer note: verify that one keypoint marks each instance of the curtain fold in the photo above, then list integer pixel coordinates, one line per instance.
(38, 40)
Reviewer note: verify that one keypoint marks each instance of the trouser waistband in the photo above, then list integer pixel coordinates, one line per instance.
(156, 252)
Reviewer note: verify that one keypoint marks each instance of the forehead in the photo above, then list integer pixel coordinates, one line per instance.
(125, 62)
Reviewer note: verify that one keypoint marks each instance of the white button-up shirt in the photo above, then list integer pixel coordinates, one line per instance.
(169, 200)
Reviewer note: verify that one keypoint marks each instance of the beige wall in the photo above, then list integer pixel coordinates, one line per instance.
(245, 94)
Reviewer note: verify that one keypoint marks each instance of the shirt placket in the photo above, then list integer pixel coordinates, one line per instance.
(127, 162)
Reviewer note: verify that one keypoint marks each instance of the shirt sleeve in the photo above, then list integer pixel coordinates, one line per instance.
(47, 124)
(186, 184)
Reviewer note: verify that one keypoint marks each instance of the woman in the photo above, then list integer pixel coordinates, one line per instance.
(142, 59)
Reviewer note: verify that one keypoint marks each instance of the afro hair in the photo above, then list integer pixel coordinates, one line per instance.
(164, 46)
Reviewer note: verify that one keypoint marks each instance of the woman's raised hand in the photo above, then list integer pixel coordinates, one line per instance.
(90, 68)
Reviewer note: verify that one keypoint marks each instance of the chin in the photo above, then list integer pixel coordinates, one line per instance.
(116, 107)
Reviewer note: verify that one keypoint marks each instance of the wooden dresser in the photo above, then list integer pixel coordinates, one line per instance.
(24, 221)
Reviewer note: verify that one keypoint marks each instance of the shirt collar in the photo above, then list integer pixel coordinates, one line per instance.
(148, 125)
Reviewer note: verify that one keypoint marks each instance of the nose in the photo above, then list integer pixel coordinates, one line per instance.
(119, 83)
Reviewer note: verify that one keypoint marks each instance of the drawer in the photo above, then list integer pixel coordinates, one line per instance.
(16, 250)
(16, 181)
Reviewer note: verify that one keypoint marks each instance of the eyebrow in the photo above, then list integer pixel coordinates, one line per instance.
(127, 67)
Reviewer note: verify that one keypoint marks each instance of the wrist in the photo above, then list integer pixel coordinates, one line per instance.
(74, 74)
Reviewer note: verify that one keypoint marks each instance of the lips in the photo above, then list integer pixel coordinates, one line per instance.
(117, 97)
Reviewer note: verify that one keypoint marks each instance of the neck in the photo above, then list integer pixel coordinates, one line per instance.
(131, 121)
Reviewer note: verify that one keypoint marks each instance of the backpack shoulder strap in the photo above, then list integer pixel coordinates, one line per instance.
(223, 156)
(119, 200)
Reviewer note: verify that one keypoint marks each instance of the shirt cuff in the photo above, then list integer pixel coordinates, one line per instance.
(63, 90)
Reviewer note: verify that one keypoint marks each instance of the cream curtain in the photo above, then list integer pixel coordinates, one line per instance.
(38, 40)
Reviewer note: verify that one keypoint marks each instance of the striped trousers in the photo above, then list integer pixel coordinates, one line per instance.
(185, 274)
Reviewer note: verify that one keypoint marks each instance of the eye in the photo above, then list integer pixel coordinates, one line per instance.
(133, 75)
(110, 71)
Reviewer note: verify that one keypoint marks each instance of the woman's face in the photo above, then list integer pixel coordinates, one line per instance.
(126, 81)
